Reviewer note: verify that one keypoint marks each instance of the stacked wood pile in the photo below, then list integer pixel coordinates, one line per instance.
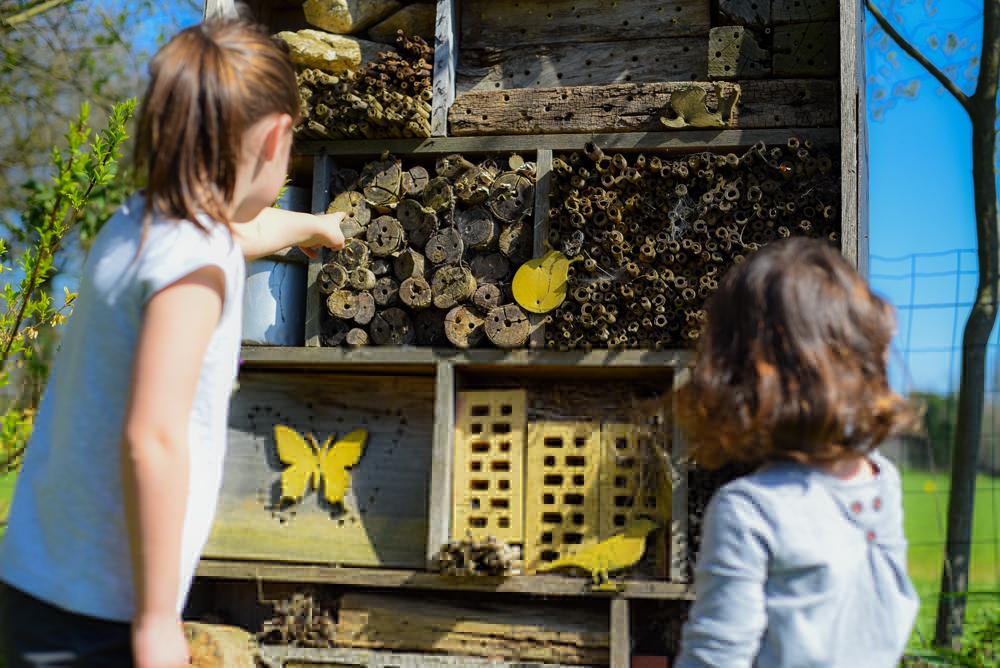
(655, 235)
(352, 82)
(429, 260)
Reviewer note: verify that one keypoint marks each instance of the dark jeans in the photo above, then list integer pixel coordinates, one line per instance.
(35, 634)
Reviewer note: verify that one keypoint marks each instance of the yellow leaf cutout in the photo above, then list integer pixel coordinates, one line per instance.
(540, 284)
(309, 463)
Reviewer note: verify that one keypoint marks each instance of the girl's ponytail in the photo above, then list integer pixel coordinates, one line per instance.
(207, 86)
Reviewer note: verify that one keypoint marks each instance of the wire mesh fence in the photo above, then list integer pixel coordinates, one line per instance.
(932, 294)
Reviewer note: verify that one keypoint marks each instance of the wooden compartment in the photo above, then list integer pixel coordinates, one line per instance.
(383, 518)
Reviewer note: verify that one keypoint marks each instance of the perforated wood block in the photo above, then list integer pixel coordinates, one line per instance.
(488, 480)
(630, 486)
(561, 506)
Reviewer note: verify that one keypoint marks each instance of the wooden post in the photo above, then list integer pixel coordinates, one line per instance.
(543, 182)
(445, 65)
(679, 571)
(219, 9)
(322, 173)
(439, 521)
(621, 641)
(853, 136)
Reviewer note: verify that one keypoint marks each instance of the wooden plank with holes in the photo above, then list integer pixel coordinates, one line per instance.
(562, 512)
(504, 23)
(488, 470)
(806, 49)
(799, 11)
(322, 174)
(585, 64)
(639, 107)
(383, 518)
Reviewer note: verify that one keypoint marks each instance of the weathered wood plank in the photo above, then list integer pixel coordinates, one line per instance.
(806, 49)
(550, 633)
(693, 140)
(733, 53)
(384, 578)
(621, 634)
(853, 139)
(322, 175)
(586, 64)
(639, 107)
(746, 12)
(543, 185)
(219, 9)
(679, 556)
(442, 463)
(504, 23)
(302, 657)
(424, 360)
(800, 11)
(445, 63)
(383, 519)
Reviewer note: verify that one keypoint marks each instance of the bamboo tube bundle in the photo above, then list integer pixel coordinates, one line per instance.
(390, 97)
(656, 234)
(431, 253)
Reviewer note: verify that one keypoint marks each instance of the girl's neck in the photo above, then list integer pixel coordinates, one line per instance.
(857, 469)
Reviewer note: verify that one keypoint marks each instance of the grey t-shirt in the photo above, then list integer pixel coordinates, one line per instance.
(66, 541)
(800, 569)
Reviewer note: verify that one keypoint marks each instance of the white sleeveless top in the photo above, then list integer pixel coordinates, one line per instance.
(66, 540)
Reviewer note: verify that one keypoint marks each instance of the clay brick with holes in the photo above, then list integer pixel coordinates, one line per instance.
(488, 483)
(561, 506)
(632, 484)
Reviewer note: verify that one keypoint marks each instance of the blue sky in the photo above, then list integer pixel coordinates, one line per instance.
(921, 205)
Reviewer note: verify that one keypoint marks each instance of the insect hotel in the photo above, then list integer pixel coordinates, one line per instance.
(453, 441)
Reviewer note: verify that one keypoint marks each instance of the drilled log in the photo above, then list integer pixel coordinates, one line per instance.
(332, 277)
(445, 247)
(463, 327)
(418, 222)
(512, 196)
(487, 297)
(507, 326)
(392, 327)
(358, 215)
(342, 304)
(452, 285)
(492, 268)
(362, 279)
(416, 293)
(476, 227)
(357, 337)
(365, 308)
(354, 254)
(386, 291)
(385, 236)
(408, 264)
(516, 242)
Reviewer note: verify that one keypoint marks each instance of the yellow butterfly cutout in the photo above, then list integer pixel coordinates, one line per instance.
(309, 463)
(540, 284)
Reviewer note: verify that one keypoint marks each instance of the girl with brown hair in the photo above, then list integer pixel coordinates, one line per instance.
(803, 562)
(121, 478)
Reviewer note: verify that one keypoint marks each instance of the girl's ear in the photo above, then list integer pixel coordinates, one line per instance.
(278, 136)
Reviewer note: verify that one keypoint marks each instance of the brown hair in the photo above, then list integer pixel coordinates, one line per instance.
(207, 86)
(792, 363)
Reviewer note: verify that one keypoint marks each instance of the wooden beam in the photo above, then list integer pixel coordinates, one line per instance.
(322, 174)
(445, 64)
(382, 578)
(442, 453)
(621, 633)
(679, 548)
(219, 9)
(853, 138)
(639, 107)
(543, 185)
(280, 656)
(680, 141)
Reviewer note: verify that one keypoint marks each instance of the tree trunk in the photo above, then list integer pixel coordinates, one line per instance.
(982, 110)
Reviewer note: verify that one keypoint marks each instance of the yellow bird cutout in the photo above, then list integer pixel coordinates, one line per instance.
(540, 284)
(309, 463)
(614, 554)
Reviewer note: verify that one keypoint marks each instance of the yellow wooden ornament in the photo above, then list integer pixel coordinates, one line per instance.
(540, 284)
(309, 463)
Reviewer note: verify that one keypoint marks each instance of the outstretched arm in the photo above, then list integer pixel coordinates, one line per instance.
(276, 229)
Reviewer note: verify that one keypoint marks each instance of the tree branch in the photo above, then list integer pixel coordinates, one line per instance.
(912, 51)
(11, 22)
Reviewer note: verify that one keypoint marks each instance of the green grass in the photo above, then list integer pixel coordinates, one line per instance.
(925, 504)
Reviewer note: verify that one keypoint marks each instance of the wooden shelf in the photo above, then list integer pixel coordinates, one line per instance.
(683, 140)
(416, 359)
(279, 656)
(377, 578)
